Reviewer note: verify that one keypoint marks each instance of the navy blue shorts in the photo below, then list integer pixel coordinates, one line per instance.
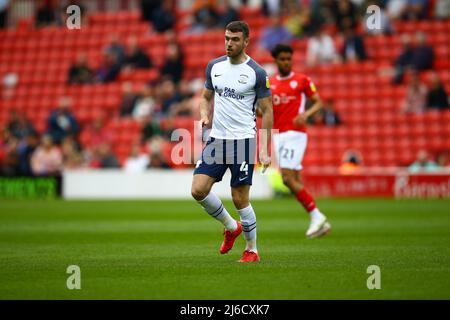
(238, 155)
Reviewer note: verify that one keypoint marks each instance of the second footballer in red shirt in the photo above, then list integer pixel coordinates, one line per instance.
(290, 91)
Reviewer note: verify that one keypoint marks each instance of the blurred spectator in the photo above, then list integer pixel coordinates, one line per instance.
(62, 122)
(45, 13)
(104, 157)
(228, 14)
(128, 100)
(19, 126)
(137, 161)
(10, 165)
(80, 72)
(442, 9)
(4, 7)
(423, 163)
(47, 158)
(25, 151)
(321, 49)
(405, 60)
(353, 49)
(416, 95)
(442, 160)
(327, 115)
(416, 10)
(136, 58)
(151, 128)
(157, 159)
(72, 157)
(351, 163)
(145, 103)
(437, 97)
(423, 56)
(96, 135)
(148, 7)
(115, 48)
(345, 14)
(300, 21)
(205, 15)
(168, 96)
(173, 66)
(109, 68)
(271, 7)
(163, 18)
(396, 9)
(185, 105)
(274, 34)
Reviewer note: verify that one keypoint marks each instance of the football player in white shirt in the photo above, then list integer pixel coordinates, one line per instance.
(238, 85)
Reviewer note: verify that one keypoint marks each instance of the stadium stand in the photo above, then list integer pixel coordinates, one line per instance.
(367, 101)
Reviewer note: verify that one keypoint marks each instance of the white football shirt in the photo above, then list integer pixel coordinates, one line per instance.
(237, 88)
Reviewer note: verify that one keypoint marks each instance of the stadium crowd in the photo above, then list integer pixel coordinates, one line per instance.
(68, 144)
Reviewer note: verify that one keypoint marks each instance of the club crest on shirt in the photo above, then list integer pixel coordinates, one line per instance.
(243, 78)
(293, 84)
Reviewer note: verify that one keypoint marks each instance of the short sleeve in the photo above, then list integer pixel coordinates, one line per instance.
(208, 81)
(309, 87)
(262, 86)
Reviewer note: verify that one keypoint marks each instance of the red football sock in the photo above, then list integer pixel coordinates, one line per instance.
(305, 198)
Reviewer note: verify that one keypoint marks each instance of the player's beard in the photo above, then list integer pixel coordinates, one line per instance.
(236, 53)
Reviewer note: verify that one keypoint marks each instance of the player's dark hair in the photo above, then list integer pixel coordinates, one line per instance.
(239, 26)
(281, 48)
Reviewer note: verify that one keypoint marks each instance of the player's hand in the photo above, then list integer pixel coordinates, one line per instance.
(264, 159)
(204, 122)
(300, 120)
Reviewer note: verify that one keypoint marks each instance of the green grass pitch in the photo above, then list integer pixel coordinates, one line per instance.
(169, 250)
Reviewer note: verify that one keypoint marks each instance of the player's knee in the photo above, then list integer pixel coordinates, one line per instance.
(240, 201)
(199, 193)
(288, 180)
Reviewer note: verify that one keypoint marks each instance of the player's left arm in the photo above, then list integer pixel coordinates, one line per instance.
(313, 96)
(266, 110)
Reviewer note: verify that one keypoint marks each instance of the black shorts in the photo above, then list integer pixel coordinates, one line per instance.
(238, 155)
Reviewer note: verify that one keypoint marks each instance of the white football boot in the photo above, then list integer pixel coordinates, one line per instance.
(318, 227)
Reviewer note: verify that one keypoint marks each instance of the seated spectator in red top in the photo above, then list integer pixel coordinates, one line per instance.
(416, 95)
(47, 159)
(135, 57)
(437, 98)
(96, 135)
(80, 72)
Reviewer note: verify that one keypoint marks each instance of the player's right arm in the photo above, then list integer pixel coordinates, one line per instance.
(205, 106)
